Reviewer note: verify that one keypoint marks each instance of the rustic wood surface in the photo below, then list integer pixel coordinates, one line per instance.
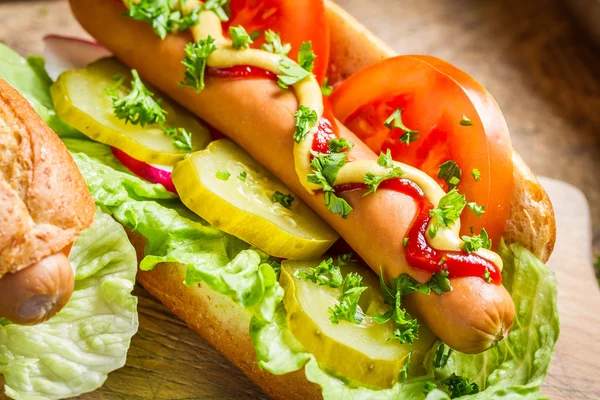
(545, 76)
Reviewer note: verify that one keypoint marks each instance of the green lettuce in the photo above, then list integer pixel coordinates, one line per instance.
(514, 369)
(74, 351)
(173, 233)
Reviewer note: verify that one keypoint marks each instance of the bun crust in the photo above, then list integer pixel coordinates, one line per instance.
(44, 202)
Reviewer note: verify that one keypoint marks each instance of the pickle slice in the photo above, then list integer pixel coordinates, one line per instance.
(361, 352)
(81, 100)
(234, 193)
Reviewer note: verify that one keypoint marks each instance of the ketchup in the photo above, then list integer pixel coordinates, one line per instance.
(419, 254)
(241, 72)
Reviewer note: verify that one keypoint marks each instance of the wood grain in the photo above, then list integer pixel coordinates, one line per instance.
(546, 78)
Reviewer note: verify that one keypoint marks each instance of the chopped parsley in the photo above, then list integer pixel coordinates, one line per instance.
(161, 15)
(196, 56)
(465, 121)
(223, 174)
(345, 259)
(476, 174)
(242, 176)
(182, 139)
(447, 212)
(439, 282)
(306, 119)
(395, 121)
(338, 145)
(373, 181)
(306, 57)
(218, 7)
(325, 274)
(476, 242)
(476, 208)
(325, 169)
(291, 73)
(407, 328)
(487, 276)
(285, 200)
(273, 44)
(385, 160)
(240, 39)
(405, 242)
(326, 89)
(459, 386)
(441, 356)
(346, 309)
(138, 107)
(451, 173)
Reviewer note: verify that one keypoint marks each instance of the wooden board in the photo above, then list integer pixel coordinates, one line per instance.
(169, 361)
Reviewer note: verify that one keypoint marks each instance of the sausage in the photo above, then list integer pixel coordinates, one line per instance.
(258, 115)
(36, 293)
(44, 204)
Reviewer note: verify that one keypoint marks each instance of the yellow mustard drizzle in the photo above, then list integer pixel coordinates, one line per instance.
(308, 93)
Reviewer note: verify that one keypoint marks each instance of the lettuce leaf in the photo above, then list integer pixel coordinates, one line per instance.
(74, 351)
(512, 370)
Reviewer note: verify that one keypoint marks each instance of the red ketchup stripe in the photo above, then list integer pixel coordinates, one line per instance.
(241, 72)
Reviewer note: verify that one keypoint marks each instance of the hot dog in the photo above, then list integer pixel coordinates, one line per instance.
(39, 215)
(263, 124)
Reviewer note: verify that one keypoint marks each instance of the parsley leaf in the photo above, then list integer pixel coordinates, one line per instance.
(476, 242)
(239, 37)
(325, 274)
(291, 73)
(138, 106)
(218, 7)
(465, 121)
(338, 145)
(441, 357)
(306, 57)
(196, 55)
(451, 173)
(447, 212)
(385, 160)
(326, 89)
(242, 176)
(459, 386)
(161, 16)
(439, 282)
(373, 181)
(223, 174)
(336, 205)
(273, 44)
(395, 121)
(306, 119)
(182, 139)
(285, 200)
(325, 169)
(476, 174)
(476, 208)
(346, 309)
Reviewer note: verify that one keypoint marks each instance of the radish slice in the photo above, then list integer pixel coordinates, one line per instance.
(63, 53)
(152, 173)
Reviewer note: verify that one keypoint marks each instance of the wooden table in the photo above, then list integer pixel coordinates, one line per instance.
(545, 76)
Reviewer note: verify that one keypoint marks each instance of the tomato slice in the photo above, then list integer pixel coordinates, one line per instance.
(434, 96)
(296, 21)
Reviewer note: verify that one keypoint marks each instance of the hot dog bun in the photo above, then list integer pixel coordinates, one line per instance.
(44, 204)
